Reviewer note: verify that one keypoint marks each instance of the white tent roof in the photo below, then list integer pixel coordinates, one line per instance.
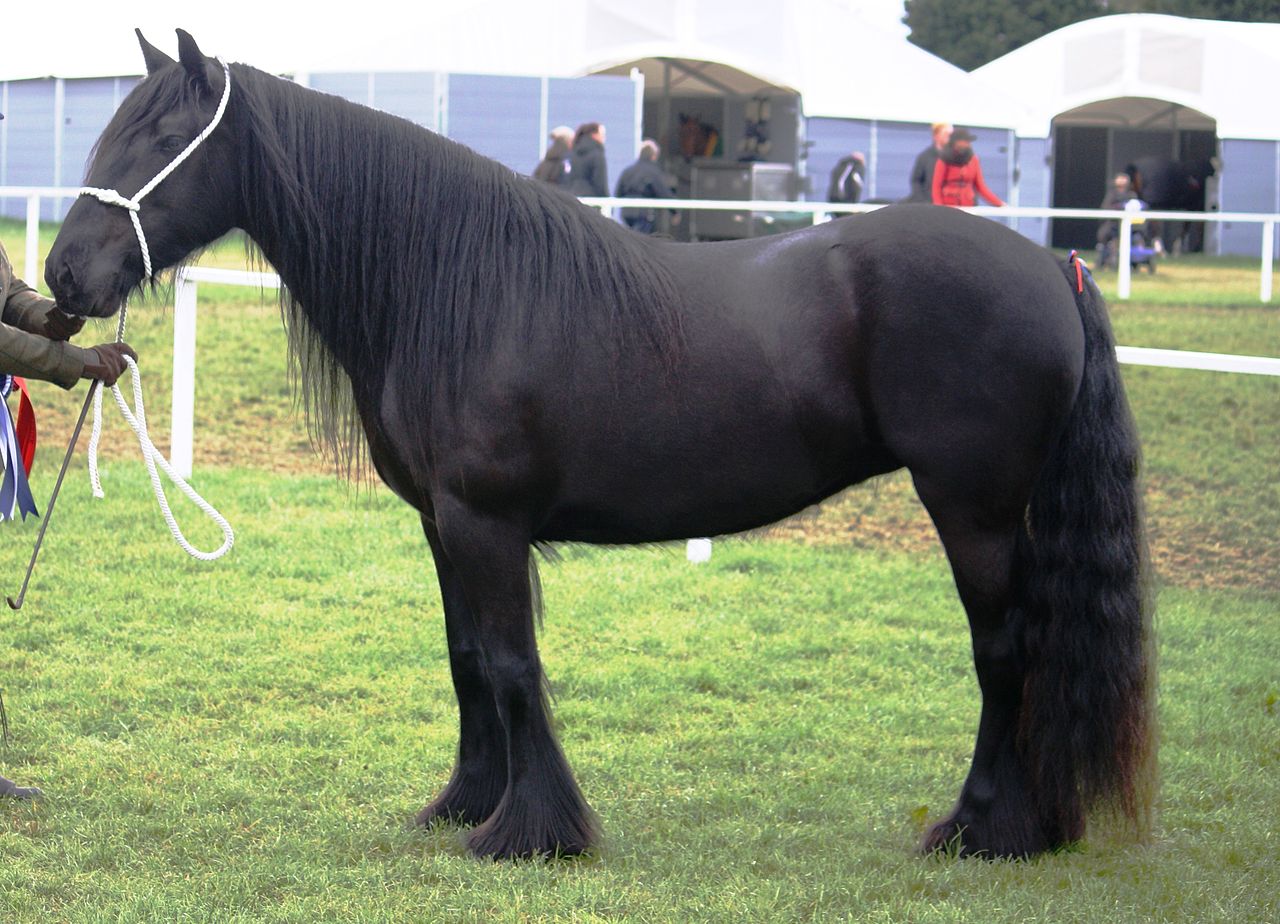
(846, 58)
(838, 62)
(1225, 70)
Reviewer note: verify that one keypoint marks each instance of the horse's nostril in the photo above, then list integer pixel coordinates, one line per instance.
(60, 276)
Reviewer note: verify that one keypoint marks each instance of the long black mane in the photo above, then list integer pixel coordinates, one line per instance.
(396, 245)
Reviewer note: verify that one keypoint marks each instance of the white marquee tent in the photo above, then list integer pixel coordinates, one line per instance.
(840, 64)
(1129, 71)
(840, 59)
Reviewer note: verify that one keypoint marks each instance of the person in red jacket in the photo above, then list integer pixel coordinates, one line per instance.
(959, 174)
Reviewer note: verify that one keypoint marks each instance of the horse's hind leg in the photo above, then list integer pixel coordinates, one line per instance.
(995, 815)
(541, 810)
(480, 774)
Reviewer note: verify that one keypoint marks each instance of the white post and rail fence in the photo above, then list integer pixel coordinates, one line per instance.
(188, 280)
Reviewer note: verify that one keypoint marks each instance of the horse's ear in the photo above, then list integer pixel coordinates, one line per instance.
(153, 56)
(193, 59)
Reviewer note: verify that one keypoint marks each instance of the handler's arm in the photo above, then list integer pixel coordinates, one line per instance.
(37, 357)
(981, 185)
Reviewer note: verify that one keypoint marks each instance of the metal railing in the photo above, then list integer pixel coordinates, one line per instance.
(820, 212)
(823, 211)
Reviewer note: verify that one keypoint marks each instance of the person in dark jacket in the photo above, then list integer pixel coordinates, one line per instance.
(554, 167)
(926, 160)
(643, 180)
(847, 178)
(588, 172)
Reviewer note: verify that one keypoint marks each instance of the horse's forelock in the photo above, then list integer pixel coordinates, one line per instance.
(164, 91)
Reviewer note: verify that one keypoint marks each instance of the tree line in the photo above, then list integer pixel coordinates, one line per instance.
(969, 33)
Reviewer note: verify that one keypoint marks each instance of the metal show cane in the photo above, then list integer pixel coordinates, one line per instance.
(48, 512)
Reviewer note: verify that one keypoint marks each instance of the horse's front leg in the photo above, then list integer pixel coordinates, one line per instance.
(480, 774)
(541, 810)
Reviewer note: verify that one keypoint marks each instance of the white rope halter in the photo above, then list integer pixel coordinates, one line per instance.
(138, 421)
(134, 205)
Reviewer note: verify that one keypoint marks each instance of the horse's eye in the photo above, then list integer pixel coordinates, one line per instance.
(171, 143)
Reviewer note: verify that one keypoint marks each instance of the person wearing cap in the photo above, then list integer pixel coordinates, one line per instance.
(643, 180)
(958, 176)
(923, 168)
(35, 344)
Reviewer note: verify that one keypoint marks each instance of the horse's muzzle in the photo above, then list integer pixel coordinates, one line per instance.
(84, 283)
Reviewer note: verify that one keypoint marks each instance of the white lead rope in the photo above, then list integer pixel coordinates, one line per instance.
(138, 420)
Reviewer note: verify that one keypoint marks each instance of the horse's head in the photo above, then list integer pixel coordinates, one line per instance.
(97, 258)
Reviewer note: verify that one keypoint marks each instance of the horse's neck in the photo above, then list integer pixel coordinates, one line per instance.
(310, 258)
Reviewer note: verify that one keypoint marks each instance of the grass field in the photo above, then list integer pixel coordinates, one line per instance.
(764, 737)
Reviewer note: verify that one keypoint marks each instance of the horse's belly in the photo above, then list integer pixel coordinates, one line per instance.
(738, 467)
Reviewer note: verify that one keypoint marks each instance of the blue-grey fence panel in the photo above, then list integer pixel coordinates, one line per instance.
(497, 116)
(352, 86)
(29, 139)
(1035, 186)
(411, 96)
(608, 100)
(1248, 183)
(897, 144)
(87, 108)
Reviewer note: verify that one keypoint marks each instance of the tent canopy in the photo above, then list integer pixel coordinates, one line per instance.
(1132, 69)
(840, 63)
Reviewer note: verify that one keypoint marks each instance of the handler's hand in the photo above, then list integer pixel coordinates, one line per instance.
(58, 325)
(105, 362)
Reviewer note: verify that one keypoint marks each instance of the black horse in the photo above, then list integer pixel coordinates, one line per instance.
(522, 370)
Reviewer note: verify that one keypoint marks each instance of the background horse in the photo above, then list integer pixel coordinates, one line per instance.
(697, 138)
(1166, 184)
(522, 370)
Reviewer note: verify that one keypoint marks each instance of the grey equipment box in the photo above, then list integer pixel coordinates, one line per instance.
(715, 179)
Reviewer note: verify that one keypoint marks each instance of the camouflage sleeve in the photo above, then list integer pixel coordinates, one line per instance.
(36, 357)
(26, 309)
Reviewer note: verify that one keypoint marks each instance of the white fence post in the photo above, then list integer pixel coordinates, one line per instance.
(1122, 261)
(1268, 248)
(182, 427)
(32, 256)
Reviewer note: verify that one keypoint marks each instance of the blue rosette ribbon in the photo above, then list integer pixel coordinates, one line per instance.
(15, 492)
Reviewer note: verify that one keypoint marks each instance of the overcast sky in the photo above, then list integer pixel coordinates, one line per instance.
(75, 38)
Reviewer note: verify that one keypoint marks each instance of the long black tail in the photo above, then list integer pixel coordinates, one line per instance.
(1087, 734)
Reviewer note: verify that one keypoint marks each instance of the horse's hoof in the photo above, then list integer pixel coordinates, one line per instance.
(467, 799)
(946, 838)
(444, 811)
(500, 839)
(7, 788)
(951, 838)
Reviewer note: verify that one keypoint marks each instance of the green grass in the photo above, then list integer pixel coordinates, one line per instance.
(763, 737)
